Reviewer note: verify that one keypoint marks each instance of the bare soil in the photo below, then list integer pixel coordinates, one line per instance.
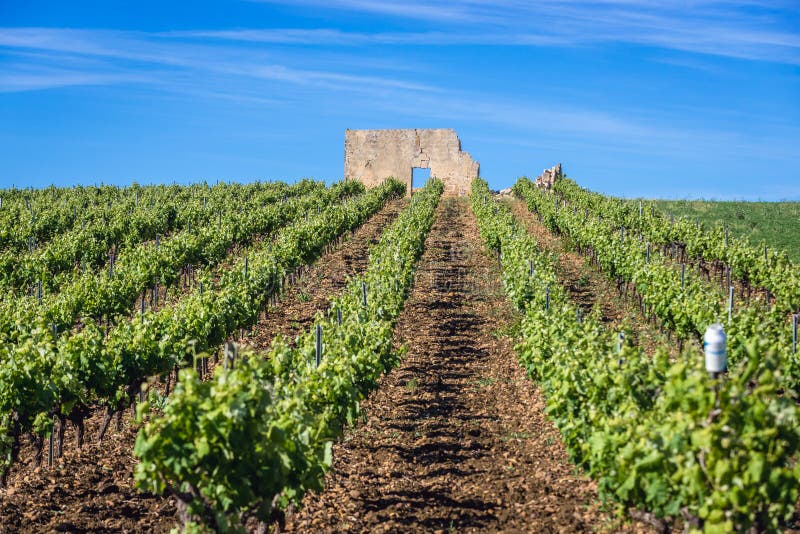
(456, 438)
(588, 287)
(92, 489)
(319, 283)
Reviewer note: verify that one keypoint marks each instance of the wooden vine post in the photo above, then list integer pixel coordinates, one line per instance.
(730, 303)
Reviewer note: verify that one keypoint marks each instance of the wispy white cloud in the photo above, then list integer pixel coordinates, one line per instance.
(123, 52)
(239, 68)
(743, 29)
(22, 80)
(700, 39)
(415, 9)
(332, 37)
(545, 126)
(748, 29)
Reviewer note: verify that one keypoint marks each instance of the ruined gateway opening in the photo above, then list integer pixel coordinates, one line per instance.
(419, 177)
(372, 156)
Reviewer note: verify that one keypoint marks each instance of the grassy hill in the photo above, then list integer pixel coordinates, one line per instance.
(775, 223)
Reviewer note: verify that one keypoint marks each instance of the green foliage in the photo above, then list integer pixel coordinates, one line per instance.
(105, 294)
(258, 436)
(43, 375)
(687, 310)
(776, 224)
(773, 270)
(91, 227)
(656, 434)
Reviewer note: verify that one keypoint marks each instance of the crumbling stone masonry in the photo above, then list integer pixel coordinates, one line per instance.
(549, 176)
(371, 156)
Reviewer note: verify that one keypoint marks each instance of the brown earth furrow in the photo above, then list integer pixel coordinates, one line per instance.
(456, 438)
(321, 282)
(588, 287)
(92, 490)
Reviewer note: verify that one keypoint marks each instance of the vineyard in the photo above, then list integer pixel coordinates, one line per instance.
(274, 357)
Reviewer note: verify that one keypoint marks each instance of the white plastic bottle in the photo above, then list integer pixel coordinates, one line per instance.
(714, 345)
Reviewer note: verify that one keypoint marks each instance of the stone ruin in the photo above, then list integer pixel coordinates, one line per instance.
(371, 156)
(549, 177)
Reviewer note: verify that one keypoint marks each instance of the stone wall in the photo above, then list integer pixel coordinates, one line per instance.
(549, 177)
(371, 156)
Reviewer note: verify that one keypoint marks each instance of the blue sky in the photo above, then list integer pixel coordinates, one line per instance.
(656, 98)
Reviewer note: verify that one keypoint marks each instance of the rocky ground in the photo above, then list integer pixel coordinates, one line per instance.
(455, 439)
(92, 489)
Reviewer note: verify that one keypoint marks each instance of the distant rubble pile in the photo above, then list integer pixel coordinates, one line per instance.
(546, 180)
(549, 177)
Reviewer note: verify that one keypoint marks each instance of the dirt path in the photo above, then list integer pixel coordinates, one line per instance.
(589, 287)
(456, 438)
(91, 490)
(322, 281)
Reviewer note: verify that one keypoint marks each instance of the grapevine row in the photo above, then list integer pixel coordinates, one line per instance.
(659, 436)
(113, 292)
(34, 217)
(755, 266)
(41, 214)
(258, 436)
(686, 307)
(54, 264)
(66, 376)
